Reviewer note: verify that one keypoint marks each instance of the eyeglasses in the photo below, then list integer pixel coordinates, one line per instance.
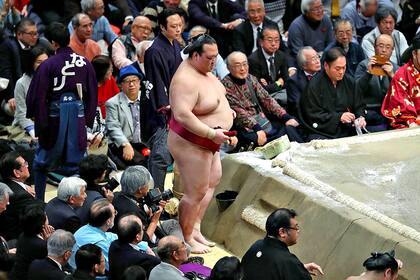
(297, 228)
(315, 58)
(24, 164)
(317, 9)
(383, 46)
(33, 33)
(272, 40)
(142, 27)
(128, 82)
(240, 65)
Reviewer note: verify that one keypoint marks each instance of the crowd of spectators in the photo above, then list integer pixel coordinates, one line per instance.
(308, 69)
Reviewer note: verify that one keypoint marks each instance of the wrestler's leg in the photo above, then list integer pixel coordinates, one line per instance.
(214, 179)
(194, 166)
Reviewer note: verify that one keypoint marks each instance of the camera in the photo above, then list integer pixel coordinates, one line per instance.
(112, 184)
(154, 196)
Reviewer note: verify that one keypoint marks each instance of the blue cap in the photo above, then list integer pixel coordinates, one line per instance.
(129, 70)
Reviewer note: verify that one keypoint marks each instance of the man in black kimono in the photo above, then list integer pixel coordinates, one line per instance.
(161, 61)
(270, 258)
(330, 106)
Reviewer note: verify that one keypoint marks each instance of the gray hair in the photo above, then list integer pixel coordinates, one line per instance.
(87, 5)
(134, 178)
(60, 242)
(231, 55)
(75, 20)
(300, 57)
(70, 186)
(253, 1)
(197, 28)
(384, 12)
(4, 189)
(142, 47)
(305, 6)
(342, 22)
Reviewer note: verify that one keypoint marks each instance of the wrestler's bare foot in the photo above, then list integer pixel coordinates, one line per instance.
(197, 247)
(198, 236)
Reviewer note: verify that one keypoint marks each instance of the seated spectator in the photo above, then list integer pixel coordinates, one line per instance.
(134, 272)
(329, 104)
(36, 56)
(386, 19)
(124, 120)
(270, 258)
(9, 16)
(227, 268)
(254, 107)
(14, 171)
(93, 170)
(402, 103)
(80, 40)
(57, 11)
(308, 66)
(361, 14)
(59, 247)
(269, 65)
(136, 182)
(124, 48)
(6, 257)
(101, 219)
(101, 28)
(61, 210)
(380, 266)
(129, 249)
(220, 70)
(14, 58)
(155, 7)
(343, 39)
(173, 252)
(90, 262)
(219, 17)
(410, 22)
(373, 88)
(312, 28)
(140, 51)
(245, 37)
(32, 243)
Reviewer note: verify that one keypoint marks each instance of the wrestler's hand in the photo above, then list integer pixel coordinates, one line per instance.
(347, 117)
(292, 122)
(387, 67)
(314, 269)
(220, 137)
(262, 137)
(128, 152)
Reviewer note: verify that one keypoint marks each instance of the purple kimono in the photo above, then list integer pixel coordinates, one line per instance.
(57, 75)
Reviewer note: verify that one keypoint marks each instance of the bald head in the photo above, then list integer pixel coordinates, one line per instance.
(384, 45)
(237, 64)
(141, 28)
(130, 229)
(167, 246)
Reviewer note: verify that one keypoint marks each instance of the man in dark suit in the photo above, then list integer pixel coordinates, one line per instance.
(59, 246)
(269, 64)
(128, 249)
(308, 65)
(61, 210)
(219, 17)
(245, 36)
(14, 171)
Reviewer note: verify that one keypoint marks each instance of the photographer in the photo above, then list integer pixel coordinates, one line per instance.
(135, 184)
(93, 169)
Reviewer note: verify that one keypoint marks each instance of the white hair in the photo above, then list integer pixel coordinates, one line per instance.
(60, 242)
(253, 1)
(142, 47)
(4, 189)
(70, 186)
(305, 6)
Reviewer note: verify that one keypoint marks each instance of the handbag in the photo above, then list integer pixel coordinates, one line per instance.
(260, 117)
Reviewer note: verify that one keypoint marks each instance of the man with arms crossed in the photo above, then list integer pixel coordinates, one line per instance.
(200, 116)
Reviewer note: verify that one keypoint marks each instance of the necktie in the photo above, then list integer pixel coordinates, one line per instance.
(259, 29)
(309, 77)
(135, 113)
(213, 11)
(272, 68)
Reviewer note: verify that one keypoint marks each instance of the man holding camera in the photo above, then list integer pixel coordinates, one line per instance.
(373, 76)
(136, 183)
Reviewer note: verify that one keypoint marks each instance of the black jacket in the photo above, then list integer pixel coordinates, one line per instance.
(45, 269)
